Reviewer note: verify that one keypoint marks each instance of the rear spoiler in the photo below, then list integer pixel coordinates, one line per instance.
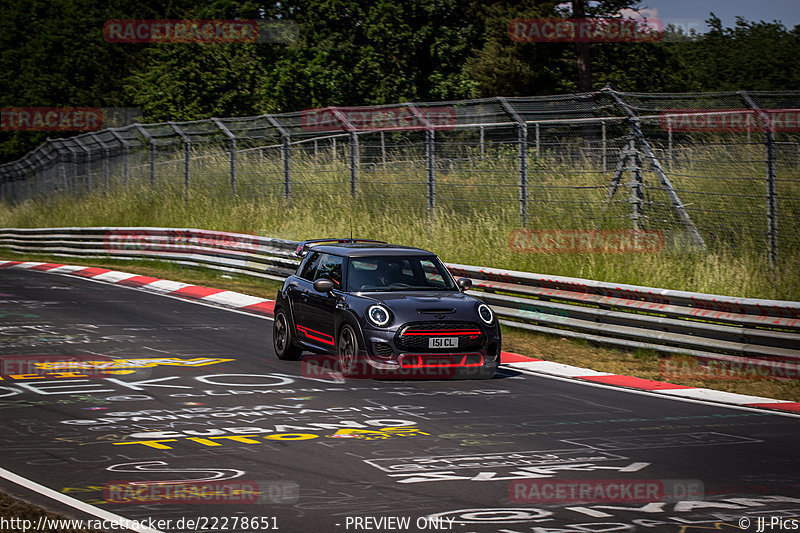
(303, 247)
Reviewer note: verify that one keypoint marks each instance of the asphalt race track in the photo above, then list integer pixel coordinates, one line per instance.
(169, 411)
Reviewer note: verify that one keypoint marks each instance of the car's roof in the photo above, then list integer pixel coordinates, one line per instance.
(369, 249)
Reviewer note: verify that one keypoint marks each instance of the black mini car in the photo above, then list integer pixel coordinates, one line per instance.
(384, 311)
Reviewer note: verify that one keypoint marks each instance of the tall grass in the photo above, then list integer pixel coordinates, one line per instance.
(477, 208)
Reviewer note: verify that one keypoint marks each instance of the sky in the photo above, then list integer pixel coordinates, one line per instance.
(693, 13)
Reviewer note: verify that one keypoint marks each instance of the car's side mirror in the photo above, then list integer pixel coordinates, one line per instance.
(464, 283)
(323, 285)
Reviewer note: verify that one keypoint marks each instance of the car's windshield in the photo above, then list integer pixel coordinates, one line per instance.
(398, 273)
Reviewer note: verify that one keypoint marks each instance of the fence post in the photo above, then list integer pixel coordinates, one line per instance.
(482, 143)
(355, 156)
(187, 150)
(637, 195)
(152, 143)
(232, 155)
(125, 151)
(40, 181)
(651, 156)
(36, 164)
(670, 159)
(74, 166)
(285, 156)
(772, 190)
(605, 146)
(51, 163)
(88, 156)
(27, 170)
(430, 155)
(383, 150)
(522, 140)
(106, 177)
(62, 162)
(772, 200)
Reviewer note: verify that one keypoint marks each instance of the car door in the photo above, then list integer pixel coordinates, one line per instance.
(300, 291)
(313, 311)
(320, 307)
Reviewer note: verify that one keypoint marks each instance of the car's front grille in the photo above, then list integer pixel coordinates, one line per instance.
(416, 337)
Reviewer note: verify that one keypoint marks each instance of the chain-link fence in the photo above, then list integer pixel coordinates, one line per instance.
(707, 169)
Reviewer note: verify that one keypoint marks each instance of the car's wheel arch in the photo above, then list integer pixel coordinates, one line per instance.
(347, 317)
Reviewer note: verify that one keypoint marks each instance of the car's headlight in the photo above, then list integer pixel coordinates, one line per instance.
(486, 314)
(379, 315)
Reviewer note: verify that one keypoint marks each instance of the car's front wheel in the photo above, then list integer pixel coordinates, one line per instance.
(347, 350)
(282, 338)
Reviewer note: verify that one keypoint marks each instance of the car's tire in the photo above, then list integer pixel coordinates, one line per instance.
(348, 351)
(283, 338)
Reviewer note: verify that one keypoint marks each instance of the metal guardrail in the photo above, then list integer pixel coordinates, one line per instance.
(740, 330)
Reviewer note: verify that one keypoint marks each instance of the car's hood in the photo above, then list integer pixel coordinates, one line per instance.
(425, 304)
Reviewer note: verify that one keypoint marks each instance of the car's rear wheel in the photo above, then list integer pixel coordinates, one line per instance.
(282, 338)
(347, 350)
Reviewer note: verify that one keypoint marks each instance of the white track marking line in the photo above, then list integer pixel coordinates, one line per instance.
(76, 504)
(661, 395)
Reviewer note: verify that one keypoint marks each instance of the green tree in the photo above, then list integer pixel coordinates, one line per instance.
(53, 53)
(751, 55)
(353, 52)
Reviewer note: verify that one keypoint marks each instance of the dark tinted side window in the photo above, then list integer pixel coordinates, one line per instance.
(310, 267)
(330, 266)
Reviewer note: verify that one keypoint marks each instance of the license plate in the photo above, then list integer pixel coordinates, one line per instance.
(443, 342)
